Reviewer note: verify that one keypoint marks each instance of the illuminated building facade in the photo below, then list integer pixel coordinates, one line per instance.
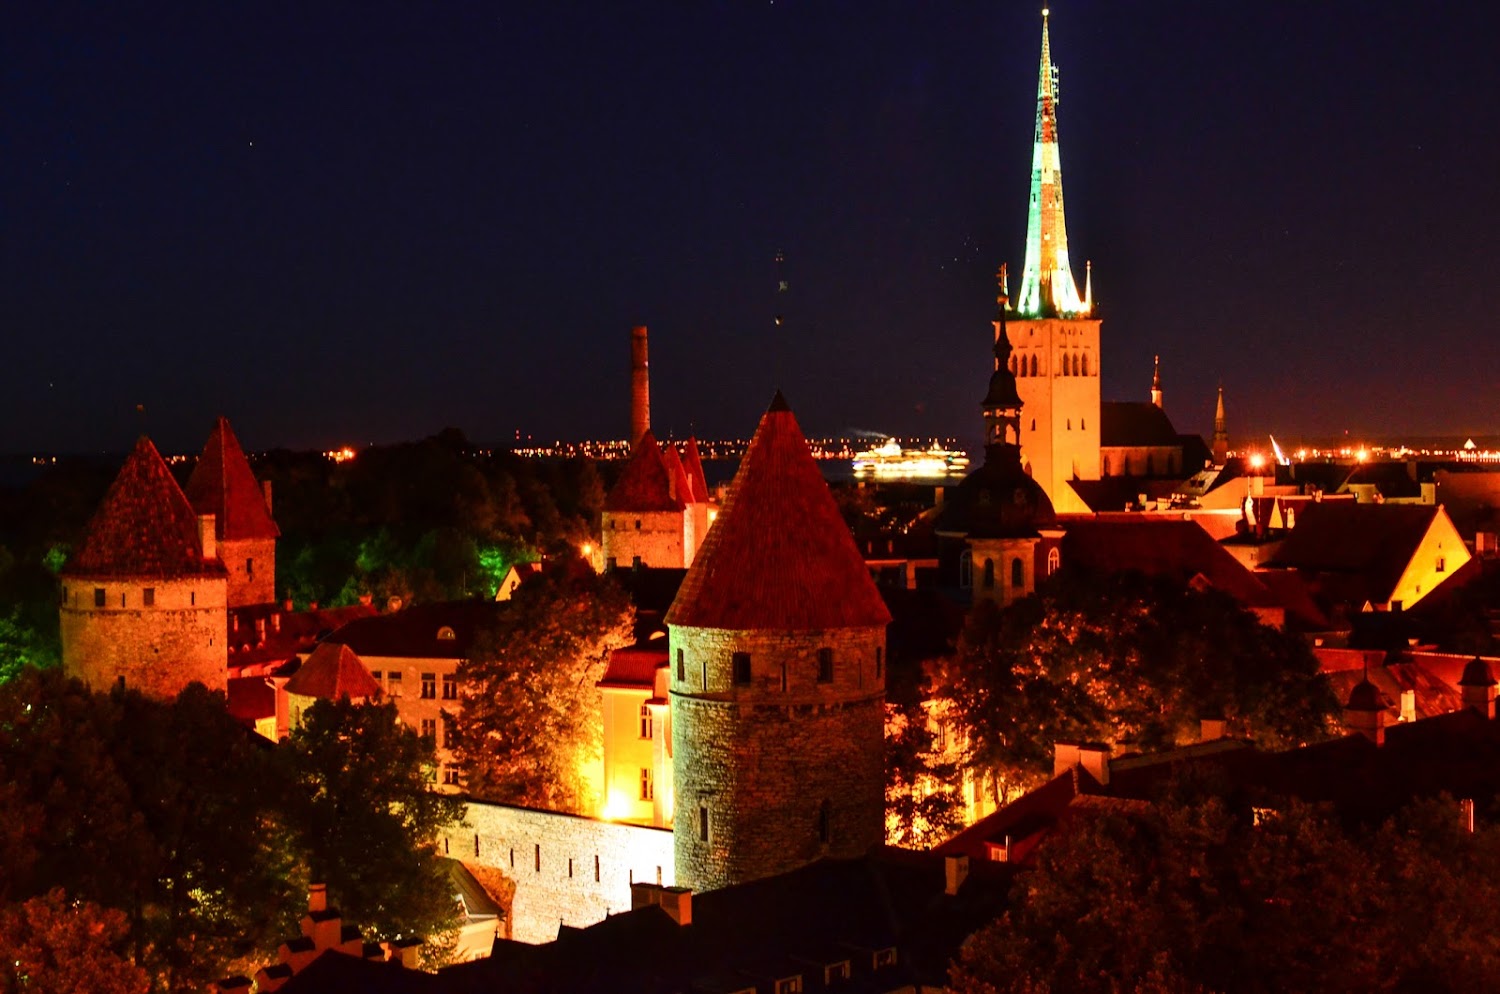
(1053, 333)
(223, 485)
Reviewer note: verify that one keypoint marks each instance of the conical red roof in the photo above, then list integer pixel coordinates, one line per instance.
(645, 484)
(144, 527)
(333, 671)
(682, 490)
(693, 463)
(223, 485)
(780, 555)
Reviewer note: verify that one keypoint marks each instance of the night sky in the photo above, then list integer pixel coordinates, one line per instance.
(362, 222)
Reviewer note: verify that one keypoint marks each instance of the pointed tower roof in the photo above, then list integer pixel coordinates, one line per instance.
(1047, 285)
(144, 527)
(646, 483)
(693, 463)
(223, 485)
(331, 672)
(682, 489)
(1156, 396)
(780, 555)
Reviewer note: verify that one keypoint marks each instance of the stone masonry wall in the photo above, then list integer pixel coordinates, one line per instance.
(252, 570)
(567, 868)
(657, 537)
(785, 776)
(157, 648)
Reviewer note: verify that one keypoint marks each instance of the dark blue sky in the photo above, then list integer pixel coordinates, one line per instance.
(362, 222)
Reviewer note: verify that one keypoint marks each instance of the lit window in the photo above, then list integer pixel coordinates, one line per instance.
(446, 634)
(825, 665)
(648, 784)
(450, 687)
(740, 663)
(1054, 560)
(646, 721)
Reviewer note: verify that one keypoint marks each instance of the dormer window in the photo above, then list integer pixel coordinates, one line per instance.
(446, 634)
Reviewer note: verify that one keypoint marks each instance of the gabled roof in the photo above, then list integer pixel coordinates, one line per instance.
(646, 483)
(223, 485)
(144, 528)
(332, 672)
(779, 555)
(1162, 547)
(634, 667)
(692, 461)
(1128, 423)
(1371, 542)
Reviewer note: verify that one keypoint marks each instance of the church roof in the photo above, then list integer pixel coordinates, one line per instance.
(331, 672)
(1126, 423)
(693, 463)
(144, 527)
(646, 483)
(780, 555)
(223, 485)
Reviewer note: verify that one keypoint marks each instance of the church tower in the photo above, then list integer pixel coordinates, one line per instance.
(1156, 380)
(1221, 432)
(223, 485)
(777, 663)
(1053, 333)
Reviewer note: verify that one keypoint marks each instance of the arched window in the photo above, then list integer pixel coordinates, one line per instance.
(446, 634)
(1054, 560)
(1011, 365)
(966, 569)
(1062, 358)
(989, 574)
(1070, 424)
(1017, 573)
(1033, 366)
(1076, 366)
(1033, 424)
(1083, 424)
(1085, 364)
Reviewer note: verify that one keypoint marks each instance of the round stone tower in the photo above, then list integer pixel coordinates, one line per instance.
(143, 596)
(777, 655)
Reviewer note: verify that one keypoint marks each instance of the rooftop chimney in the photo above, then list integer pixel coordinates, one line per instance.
(1092, 756)
(1478, 687)
(955, 872)
(1210, 729)
(640, 385)
(317, 898)
(207, 540)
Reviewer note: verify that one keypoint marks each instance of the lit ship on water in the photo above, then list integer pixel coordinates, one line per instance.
(890, 461)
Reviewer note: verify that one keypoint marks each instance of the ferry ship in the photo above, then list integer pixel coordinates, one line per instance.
(890, 461)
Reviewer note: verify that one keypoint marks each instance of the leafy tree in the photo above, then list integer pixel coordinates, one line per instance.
(1123, 658)
(51, 945)
(922, 801)
(1194, 897)
(368, 823)
(531, 717)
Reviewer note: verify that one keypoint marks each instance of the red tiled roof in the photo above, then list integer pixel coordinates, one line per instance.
(645, 484)
(333, 671)
(144, 526)
(682, 490)
(1373, 542)
(779, 555)
(250, 699)
(223, 485)
(693, 463)
(1161, 547)
(635, 666)
(417, 632)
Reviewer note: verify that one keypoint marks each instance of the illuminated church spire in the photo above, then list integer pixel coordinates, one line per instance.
(1047, 286)
(1221, 431)
(1156, 380)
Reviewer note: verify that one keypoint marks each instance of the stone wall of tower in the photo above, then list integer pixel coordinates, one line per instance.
(659, 538)
(158, 647)
(252, 570)
(1060, 407)
(784, 769)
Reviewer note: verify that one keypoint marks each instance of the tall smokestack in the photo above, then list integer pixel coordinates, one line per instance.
(640, 385)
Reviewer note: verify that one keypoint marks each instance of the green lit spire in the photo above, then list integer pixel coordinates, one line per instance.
(1047, 286)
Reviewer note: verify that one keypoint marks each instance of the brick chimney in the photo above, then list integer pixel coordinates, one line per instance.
(640, 385)
(317, 898)
(1092, 756)
(955, 872)
(207, 539)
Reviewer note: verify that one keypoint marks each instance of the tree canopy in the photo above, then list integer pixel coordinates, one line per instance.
(1195, 897)
(532, 719)
(1122, 658)
(51, 945)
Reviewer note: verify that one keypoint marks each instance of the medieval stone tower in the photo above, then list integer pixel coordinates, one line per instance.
(777, 656)
(223, 485)
(143, 600)
(1053, 334)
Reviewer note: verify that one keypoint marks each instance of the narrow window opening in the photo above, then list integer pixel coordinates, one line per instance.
(681, 667)
(740, 662)
(825, 665)
(703, 823)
